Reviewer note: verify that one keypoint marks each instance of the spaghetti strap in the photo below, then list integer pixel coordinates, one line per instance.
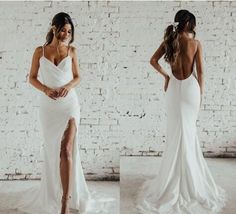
(43, 50)
(68, 50)
(194, 73)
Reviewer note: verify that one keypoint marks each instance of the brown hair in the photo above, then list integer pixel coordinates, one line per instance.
(59, 20)
(171, 41)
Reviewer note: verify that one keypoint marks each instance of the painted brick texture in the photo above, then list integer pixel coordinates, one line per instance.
(121, 96)
(143, 116)
(24, 27)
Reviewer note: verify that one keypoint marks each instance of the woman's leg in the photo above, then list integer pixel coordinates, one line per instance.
(66, 162)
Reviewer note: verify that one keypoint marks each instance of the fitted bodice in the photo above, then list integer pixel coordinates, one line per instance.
(56, 75)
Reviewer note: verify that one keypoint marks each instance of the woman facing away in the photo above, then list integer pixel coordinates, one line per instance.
(62, 186)
(184, 183)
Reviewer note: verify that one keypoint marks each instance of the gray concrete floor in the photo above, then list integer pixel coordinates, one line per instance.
(135, 170)
(106, 188)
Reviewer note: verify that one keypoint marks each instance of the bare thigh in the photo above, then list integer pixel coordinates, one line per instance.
(68, 139)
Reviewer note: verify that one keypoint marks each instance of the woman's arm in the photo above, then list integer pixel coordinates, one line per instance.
(33, 76)
(199, 65)
(154, 62)
(34, 71)
(75, 69)
(155, 58)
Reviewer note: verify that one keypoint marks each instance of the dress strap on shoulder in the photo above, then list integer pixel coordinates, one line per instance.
(68, 50)
(43, 49)
(194, 68)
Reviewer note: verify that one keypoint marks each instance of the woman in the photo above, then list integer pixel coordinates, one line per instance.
(63, 184)
(60, 115)
(184, 183)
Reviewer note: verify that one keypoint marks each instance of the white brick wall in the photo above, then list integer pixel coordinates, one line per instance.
(121, 96)
(142, 110)
(23, 27)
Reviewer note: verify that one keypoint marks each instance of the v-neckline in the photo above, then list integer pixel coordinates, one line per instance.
(58, 63)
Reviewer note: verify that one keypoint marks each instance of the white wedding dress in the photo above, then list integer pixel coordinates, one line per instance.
(54, 116)
(184, 184)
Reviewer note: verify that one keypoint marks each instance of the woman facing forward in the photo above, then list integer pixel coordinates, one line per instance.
(59, 116)
(62, 184)
(62, 187)
(184, 183)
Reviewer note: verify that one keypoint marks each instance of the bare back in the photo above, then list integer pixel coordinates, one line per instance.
(183, 67)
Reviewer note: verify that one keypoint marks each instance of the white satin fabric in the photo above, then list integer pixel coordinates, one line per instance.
(184, 184)
(54, 116)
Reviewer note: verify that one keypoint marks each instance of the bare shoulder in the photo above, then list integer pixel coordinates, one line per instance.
(38, 51)
(73, 49)
(162, 44)
(195, 45)
(198, 43)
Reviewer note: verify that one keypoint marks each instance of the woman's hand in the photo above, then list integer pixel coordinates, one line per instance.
(52, 93)
(63, 91)
(167, 79)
